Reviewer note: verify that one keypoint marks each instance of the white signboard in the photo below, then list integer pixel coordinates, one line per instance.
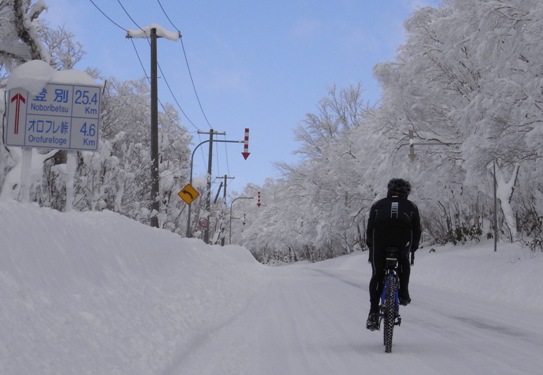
(61, 116)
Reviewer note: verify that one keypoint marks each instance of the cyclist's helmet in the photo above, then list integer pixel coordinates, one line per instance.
(399, 186)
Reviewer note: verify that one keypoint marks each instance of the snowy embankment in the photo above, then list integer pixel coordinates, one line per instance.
(97, 293)
(100, 290)
(510, 275)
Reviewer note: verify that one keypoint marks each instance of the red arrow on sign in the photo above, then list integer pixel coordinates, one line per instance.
(246, 152)
(18, 98)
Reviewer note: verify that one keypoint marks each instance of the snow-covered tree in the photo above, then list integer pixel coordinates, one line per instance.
(477, 62)
(467, 85)
(117, 176)
(20, 33)
(65, 50)
(325, 186)
(19, 42)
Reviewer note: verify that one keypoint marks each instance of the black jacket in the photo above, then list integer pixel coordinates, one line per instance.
(394, 221)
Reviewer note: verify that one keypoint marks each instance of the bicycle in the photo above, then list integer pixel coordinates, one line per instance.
(389, 308)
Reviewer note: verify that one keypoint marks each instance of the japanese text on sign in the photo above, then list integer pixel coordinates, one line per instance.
(60, 116)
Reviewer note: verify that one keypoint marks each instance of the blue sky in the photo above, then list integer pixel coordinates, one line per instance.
(261, 65)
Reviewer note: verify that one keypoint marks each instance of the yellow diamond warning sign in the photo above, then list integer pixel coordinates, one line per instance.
(188, 194)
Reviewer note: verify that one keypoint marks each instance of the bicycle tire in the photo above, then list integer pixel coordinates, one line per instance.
(389, 314)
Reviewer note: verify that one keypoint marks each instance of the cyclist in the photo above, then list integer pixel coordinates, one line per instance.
(393, 221)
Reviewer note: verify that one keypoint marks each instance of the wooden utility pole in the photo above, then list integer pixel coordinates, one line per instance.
(224, 196)
(209, 171)
(155, 188)
(153, 33)
(225, 178)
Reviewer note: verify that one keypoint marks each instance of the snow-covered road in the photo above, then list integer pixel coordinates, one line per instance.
(309, 319)
(96, 293)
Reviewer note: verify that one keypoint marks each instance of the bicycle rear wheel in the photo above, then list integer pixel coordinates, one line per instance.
(389, 313)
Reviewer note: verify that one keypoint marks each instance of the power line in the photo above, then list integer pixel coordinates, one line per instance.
(129, 16)
(160, 68)
(105, 15)
(162, 72)
(174, 98)
(143, 67)
(193, 83)
(168, 17)
(167, 84)
(226, 152)
(188, 65)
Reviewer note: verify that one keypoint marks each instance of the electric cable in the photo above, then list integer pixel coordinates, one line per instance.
(160, 102)
(193, 83)
(129, 16)
(143, 67)
(188, 65)
(105, 15)
(161, 71)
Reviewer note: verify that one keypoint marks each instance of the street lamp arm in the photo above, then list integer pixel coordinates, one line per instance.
(201, 143)
(192, 157)
(235, 199)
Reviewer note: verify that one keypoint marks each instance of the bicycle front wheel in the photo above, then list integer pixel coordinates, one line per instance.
(389, 313)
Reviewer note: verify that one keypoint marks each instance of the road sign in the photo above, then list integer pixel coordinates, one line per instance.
(188, 194)
(61, 116)
(246, 152)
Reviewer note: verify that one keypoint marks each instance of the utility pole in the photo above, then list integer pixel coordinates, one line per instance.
(154, 32)
(225, 177)
(218, 192)
(155, 202)
(495, 186)
(224, 196)
(209, 171)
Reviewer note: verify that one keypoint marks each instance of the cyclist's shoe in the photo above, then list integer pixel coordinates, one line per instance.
(404, 297)
(373, 321)
(405, 300)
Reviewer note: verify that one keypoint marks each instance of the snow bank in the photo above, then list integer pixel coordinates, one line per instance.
(511, 274)
(100, 289)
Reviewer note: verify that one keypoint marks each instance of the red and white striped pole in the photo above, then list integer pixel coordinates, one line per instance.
(246, 152)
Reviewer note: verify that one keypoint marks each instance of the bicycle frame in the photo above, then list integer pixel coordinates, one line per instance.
(388, 276)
